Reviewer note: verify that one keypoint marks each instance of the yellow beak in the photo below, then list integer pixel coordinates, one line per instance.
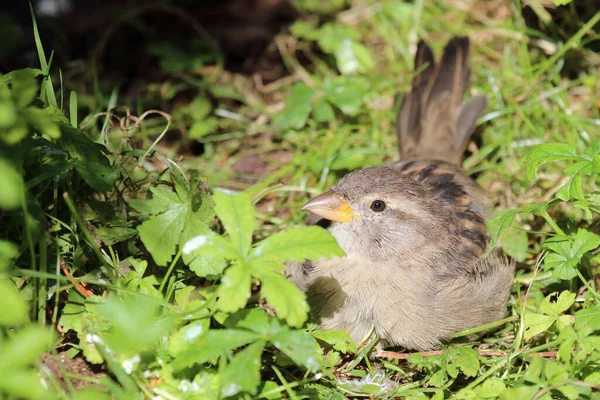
(332, 206)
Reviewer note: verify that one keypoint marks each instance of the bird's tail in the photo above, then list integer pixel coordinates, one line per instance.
(434, 123)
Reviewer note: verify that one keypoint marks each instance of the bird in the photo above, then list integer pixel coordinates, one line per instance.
(416, 267)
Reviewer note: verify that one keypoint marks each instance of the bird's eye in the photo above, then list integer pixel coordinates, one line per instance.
(378, 206)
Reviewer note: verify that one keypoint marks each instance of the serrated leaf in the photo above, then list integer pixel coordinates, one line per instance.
(562, 303)
(289, 302)
(203, 250)
(160, 234)
(536, 324)
(339, 340)
(299, 244)
(546, 153)
(254, 319)
(565, 256)
(243, 373)
(299, 346)
(209, 244)
(212, 344)
(162, 199)
(236, 213)
(234, 289)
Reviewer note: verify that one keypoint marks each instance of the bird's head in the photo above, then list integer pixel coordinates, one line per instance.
(379, 213)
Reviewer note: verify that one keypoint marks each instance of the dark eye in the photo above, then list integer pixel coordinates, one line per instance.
(378, 206)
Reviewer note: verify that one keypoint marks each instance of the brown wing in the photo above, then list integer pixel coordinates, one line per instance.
(458, 195)
(433, 123)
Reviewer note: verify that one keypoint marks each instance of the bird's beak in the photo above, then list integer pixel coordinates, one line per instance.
(332, 206)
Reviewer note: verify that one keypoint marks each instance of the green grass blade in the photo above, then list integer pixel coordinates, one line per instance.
(47, 90)
(73, 108)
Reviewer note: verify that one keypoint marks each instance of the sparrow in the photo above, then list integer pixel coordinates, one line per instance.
(413, 232)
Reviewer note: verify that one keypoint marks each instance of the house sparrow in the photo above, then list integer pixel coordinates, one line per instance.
(413, 232)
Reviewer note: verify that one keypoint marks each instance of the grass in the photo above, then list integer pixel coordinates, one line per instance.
(127, 253)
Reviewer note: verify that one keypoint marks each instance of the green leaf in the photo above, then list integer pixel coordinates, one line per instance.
(8, 251)
(162, 199)
(19, 384)
(254, 319)
(243, 373)
(301, 243)
(490, 389)
(203, 250)
(234, 289)
(12, 187)
(323, 112)
(500, 222)
(24, 87)
(546, 153)
(588, 319)
(289, 302)
(201, 128)
(236, 212)
(99, 176)
(299, 346)
(562, 303)
(533, 373)
(72, 313)
(514, 243)
(181, 339)
(346, 93)
(339, 340)
(536, 324)
(15, 310)
(135, 323)
(352, 57)
(555, 373)
(160, 234)
(565, 257)
(585, 241)
(298, 105)
(212, 344)
(210, 244)
(467, 360)
(112, 235)
(25, 347)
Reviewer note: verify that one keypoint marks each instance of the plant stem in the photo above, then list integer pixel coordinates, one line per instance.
(166, 277)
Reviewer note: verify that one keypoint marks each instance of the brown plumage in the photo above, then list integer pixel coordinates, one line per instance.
(413, 231)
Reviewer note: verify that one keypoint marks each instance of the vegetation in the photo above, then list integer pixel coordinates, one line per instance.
(164, 273)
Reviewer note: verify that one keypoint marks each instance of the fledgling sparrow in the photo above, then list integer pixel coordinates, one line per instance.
(413, 232)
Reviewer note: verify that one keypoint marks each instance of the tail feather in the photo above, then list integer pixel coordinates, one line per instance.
(432, 123)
